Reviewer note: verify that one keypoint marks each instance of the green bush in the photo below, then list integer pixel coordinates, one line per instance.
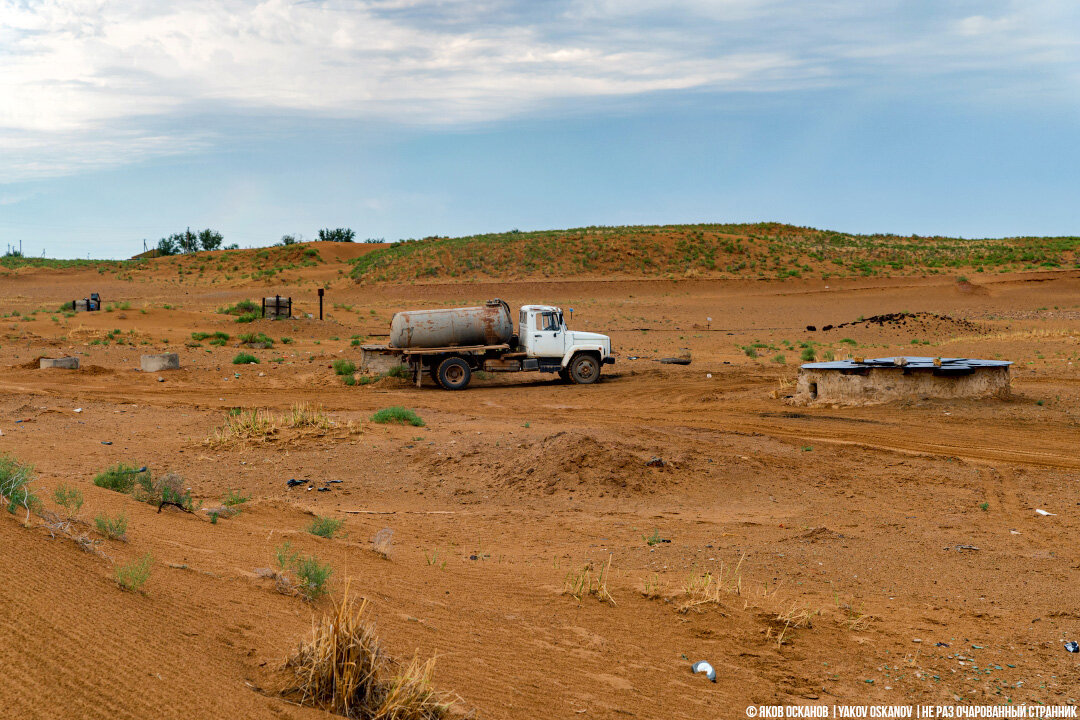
(324, 526)
(286, 341)
(349, 380)
(244, 307)
(245, 359)
(15, 485)
(200, 336)
(344, 367)
(256, 338)
(397, 414)
(121, 477)
(112, 528)
(68, 497)
(248, 317)
(399, 371)
(134, 575)
(807, 355)
(779, 358)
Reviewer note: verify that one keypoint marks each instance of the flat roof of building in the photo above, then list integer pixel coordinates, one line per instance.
(908, 362)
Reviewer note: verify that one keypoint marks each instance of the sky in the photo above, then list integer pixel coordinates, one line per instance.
(125, 121)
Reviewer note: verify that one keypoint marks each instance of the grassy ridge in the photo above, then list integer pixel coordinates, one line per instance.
(763, 250)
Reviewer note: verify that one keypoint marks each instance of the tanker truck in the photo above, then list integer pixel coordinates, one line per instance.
(453, 343)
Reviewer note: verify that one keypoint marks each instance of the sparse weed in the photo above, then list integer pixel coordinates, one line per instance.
(245, 359)
(653, 539)
(587, 582)
(133, 576)
(233, 498)
(112, 528)
(68, 497)
(324, 526)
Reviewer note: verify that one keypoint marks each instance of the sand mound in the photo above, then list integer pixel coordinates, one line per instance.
(576, 463)
(926, 322)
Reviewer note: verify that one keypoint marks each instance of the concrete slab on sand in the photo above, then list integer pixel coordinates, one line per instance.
(64, 363)
(157, 363)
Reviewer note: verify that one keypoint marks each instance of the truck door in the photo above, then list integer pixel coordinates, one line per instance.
(544, 336)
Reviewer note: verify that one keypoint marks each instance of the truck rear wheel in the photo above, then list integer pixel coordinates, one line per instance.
(453, 373)
(584, 369)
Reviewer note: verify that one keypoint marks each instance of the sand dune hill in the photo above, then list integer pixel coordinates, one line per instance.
(552, 568)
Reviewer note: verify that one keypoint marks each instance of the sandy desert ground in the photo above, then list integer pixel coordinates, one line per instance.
(885, 554)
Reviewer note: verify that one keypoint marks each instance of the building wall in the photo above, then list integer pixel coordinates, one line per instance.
(880, 385)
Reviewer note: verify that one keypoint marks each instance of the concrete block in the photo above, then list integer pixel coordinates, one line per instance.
(64, 363)
(157, 363)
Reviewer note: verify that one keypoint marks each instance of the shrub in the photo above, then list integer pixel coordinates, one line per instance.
(134, 575)
(324, 526)
(68, 497)
(313, 577)
(349, 380)
(169, 489)
(15, 485)
(344, 367)
(779, 358)
(248, 317)
(256, 339)
(112, 528)
(286, 341)
(233, 498)
(244, 307)
(807, 355)
(121, 477)
(399, 371)
(397, 414)
(245, 359)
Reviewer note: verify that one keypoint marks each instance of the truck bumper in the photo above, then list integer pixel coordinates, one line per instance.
(609, 360)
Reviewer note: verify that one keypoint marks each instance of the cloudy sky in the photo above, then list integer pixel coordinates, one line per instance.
(125, 120)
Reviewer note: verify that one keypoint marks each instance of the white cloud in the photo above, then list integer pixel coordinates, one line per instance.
(85, 79)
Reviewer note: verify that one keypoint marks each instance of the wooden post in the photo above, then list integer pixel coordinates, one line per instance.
(321, 292)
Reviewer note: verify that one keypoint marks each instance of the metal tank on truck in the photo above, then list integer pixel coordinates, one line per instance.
(453, 327)
(451, 344)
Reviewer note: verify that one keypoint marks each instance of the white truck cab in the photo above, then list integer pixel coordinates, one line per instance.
(575, 355)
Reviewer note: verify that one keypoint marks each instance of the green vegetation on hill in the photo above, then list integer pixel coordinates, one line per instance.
(763, 250)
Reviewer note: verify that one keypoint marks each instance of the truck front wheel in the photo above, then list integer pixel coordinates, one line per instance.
(584, 369)
(453, 373)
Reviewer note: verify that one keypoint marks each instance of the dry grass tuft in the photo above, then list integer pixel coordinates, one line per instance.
(305, 415)
(264, 426)
(587, 582)
(344, 670)
(708, 589)
(383, 542)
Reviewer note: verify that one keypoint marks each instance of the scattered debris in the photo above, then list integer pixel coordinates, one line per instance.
(656, 462)
(1072, 646)
(294, 482)
(1040, 511)
(106, 442)
(675, 361)
(966, 547)
(703, 667)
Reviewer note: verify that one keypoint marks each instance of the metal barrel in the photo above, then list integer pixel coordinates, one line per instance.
(487, 325)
